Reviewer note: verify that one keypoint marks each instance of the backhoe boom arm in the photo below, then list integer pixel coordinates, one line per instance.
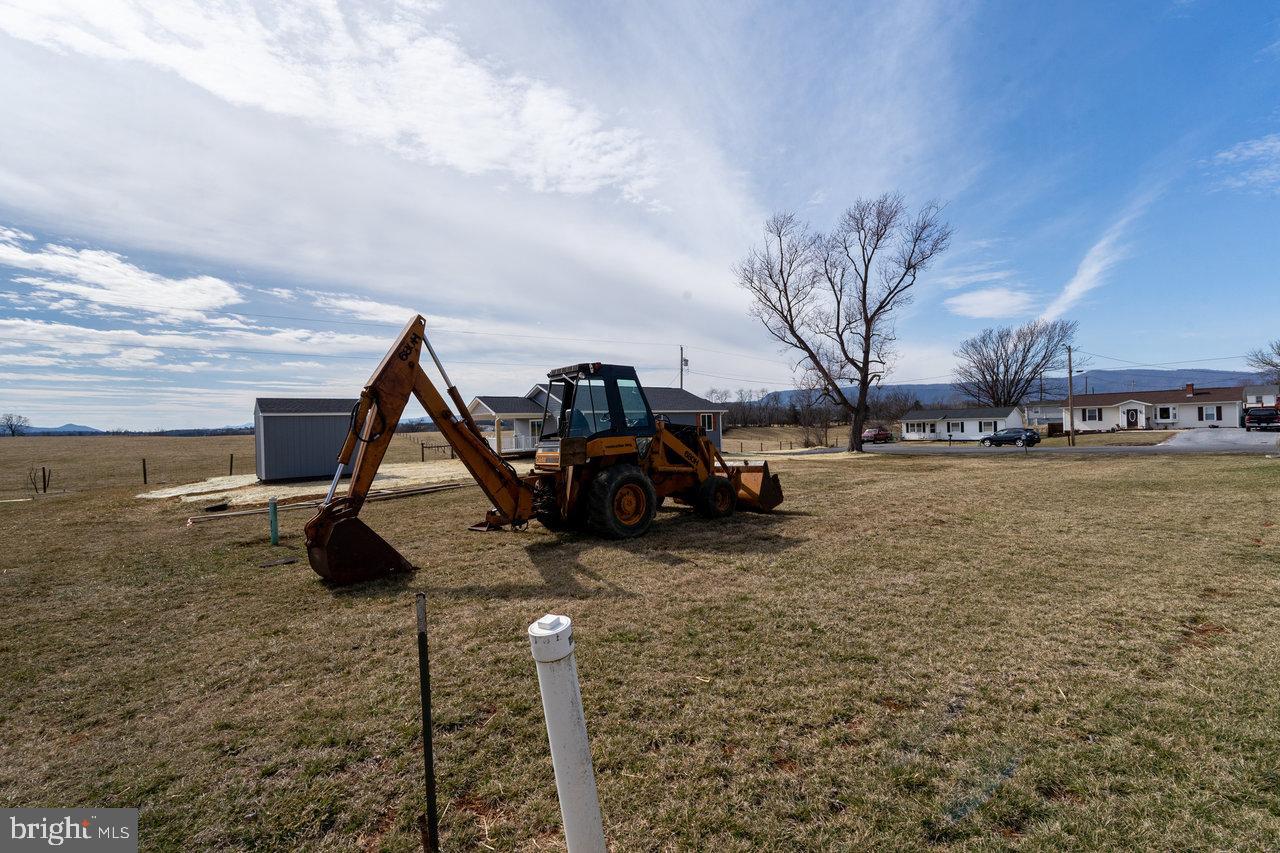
(343, 549)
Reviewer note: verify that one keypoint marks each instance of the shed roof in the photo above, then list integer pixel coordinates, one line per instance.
(1262, 389)
(305, 405)
(1174, 395)
(509, 405)
(958, 414)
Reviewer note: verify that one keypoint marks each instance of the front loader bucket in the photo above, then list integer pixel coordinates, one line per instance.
(344, 550)
(758, 489)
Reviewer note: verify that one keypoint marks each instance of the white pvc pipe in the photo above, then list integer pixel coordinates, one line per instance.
(551, 639)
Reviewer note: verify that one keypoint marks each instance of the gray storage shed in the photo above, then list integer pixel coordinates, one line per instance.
(299, 438)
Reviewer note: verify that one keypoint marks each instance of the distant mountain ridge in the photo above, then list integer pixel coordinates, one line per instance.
(1096, 381)
(65, 429)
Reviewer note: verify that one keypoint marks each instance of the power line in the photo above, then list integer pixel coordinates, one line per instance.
(1163, 363)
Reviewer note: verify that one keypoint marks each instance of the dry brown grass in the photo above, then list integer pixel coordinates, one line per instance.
(1085, 657)
(758, 439)
(1123, 438)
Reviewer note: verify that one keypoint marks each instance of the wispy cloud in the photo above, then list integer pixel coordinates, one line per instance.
(1102, 257)
(1251, 165)
(392, 76)
(363, 309)
(982, 272)
(990, 302)
(66, 275)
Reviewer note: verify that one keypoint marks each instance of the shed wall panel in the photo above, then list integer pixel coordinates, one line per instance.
(302, 446)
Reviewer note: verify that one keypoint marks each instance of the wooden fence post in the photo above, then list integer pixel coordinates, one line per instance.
(144, 470)
(231, 466)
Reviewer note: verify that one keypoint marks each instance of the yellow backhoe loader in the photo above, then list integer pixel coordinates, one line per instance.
(603, 461)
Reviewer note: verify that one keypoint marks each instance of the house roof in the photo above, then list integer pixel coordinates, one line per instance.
(508, 405)
(958, 414)
(1175, 395)
(305, 405)
(1262, 389)
(679, 400)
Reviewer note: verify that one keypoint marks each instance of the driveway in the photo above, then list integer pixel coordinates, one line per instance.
(1226, 440)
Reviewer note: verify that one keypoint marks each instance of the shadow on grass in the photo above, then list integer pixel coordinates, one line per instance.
(677, 535)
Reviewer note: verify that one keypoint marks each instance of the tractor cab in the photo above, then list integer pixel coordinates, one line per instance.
(595, 400)
(590, 401)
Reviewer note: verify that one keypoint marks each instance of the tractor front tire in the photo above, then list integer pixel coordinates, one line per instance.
(623, 502)
(716, 498)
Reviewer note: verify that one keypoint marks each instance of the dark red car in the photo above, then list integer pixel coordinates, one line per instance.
(875, 435)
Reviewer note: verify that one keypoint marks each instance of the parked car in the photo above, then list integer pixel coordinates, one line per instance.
(1261, 419)
(1013, 435)
(875, 435)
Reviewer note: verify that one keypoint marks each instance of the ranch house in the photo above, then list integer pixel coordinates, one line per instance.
(957, 424)
(1183, 408)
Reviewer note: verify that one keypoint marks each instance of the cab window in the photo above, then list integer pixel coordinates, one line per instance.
(633, 406)
(590, 413)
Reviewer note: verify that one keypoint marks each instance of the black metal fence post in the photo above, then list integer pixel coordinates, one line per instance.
(431, 828)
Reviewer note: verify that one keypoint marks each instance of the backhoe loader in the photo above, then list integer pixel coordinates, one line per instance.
(603, 461)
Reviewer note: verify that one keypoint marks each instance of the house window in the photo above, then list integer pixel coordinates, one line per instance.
(535, 427)
(1091, 414)
(986, 426)
(955, 426)
(1210, 413)
(1167, 413)
(922, 426)
(1257, 398)
(707, 422)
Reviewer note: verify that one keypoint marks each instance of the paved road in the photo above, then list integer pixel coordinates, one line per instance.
(1226, 440)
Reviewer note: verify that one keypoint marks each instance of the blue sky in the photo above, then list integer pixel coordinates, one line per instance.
(200, 204)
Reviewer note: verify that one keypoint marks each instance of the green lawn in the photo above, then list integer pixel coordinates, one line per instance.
(974, 652)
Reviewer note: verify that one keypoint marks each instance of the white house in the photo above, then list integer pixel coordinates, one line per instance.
(1183, 408)
(957, 424)
(1260, 395)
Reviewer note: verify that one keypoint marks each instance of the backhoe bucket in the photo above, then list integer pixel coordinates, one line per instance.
(758, 489)
(344, 550)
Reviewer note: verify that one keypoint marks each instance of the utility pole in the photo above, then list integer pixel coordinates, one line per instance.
(1071, 400)
(684, 362)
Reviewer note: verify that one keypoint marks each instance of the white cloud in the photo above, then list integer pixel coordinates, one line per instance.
(1252, 165)
(1101, 258)
(364, 309)
(107, 278)
(391, 77)
(30, 360)
(985, 272)
(990, 302)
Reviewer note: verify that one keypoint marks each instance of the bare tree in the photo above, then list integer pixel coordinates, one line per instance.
(832, 298)
(999, 367)
(886, 407)
(1266, 360)
(13, 424)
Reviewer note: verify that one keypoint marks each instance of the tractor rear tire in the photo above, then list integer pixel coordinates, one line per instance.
(716, 498)
(623, 502)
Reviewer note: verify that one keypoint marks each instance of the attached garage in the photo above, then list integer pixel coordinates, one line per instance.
(299, 438)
